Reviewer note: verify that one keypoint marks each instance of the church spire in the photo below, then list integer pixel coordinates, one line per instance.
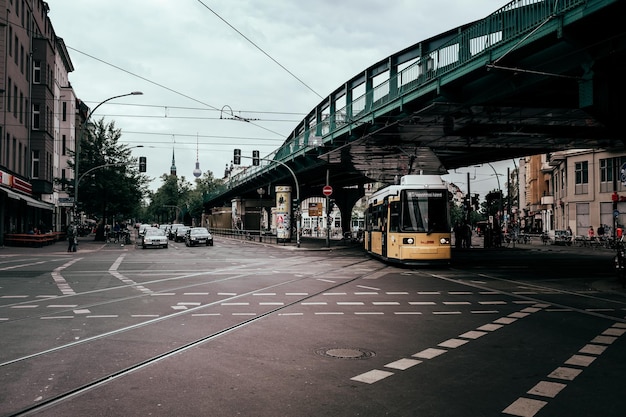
(173, 167)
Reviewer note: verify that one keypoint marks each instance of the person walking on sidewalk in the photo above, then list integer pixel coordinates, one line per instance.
(71, 237)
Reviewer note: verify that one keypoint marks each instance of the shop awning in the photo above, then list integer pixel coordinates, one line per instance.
(36, 203)
(11, 194)
(28, 200)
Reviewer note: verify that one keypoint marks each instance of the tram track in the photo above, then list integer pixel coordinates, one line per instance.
(538, 299)
(68, 394)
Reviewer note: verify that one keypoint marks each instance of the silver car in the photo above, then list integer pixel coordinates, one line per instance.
(155, 238)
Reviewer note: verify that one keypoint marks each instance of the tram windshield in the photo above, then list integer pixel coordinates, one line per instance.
(424, 211)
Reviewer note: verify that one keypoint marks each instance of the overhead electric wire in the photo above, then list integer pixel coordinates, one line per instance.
(260, 49)
(164, 87)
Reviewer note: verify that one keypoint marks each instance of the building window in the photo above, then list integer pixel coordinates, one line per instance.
(37, 72)
(9, 96)
(36, 116)
(35, 173)
(64, 145)
(581, 171)
(583, 220)
(64, 111)
(606, 175)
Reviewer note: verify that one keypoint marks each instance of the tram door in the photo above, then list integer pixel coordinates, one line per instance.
(385, 216)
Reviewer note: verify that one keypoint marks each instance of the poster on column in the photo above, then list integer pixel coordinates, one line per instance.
(283, 212)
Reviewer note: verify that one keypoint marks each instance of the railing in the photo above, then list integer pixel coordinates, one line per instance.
(242, 234)
(480, 43)
(30, 239)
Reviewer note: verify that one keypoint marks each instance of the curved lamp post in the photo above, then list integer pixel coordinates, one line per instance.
(79, 141)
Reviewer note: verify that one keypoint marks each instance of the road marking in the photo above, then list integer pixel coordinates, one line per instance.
(546, 389)
(526, 407)
(429, 353)
(26, 306)
(521, 406)
(565, 373)
(60, 282)
(580, 360)
(368, 288)
(453, 343)
(403, 364)
(372, 376)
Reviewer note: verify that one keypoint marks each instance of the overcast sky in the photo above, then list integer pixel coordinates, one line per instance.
(195, 67)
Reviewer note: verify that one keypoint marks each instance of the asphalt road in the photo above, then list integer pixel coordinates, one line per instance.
(245, 329)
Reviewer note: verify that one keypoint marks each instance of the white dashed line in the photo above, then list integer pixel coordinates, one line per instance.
(403, 364)
(372, 376)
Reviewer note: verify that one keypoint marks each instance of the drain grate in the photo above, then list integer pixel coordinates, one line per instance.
(345, 353)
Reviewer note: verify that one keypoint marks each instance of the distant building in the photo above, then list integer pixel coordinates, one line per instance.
(577, 189)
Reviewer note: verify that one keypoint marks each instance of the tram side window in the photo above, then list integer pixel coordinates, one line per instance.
(376, 218)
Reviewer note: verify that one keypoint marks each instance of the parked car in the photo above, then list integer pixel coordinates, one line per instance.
(154, 237)
(180, 234)
(198, 236)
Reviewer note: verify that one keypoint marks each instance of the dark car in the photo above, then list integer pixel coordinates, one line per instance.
(198, 236)
(179, 235)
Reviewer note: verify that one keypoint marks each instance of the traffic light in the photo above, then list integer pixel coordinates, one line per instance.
(475, 202)
(255, 158)
(142, 164)
(237, 157)
(329, 208)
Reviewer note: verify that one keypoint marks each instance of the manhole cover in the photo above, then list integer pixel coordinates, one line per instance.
(345, 353)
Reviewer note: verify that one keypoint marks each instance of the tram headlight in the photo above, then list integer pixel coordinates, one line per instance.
(444, 241)
(408, 241)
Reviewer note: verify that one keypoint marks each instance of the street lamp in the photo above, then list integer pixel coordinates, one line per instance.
(261, 191)
(79, 141)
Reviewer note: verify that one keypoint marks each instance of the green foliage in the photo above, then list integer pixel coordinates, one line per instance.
(108, 191)
(177, 199)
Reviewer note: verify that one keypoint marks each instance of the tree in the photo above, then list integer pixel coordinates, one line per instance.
(111, 192)
(168, 201)
(177, 195)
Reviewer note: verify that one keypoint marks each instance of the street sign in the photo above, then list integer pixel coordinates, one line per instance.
(65, 201)
(327, 190)
(622, 175)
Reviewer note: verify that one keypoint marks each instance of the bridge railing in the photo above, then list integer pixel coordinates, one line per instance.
(482, 42)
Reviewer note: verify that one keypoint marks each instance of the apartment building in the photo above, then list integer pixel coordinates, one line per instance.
(576, 189)
(37, 118)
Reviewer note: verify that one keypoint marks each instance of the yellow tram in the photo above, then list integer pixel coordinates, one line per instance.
(410, 223)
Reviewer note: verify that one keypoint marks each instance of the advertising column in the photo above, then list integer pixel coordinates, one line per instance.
(283, 212)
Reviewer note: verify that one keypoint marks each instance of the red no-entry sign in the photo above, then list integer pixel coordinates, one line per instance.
(327, 190)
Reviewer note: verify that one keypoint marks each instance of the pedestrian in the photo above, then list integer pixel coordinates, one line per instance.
(590, 233)
(71, 237)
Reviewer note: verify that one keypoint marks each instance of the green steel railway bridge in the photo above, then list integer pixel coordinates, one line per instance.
(533, 77)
